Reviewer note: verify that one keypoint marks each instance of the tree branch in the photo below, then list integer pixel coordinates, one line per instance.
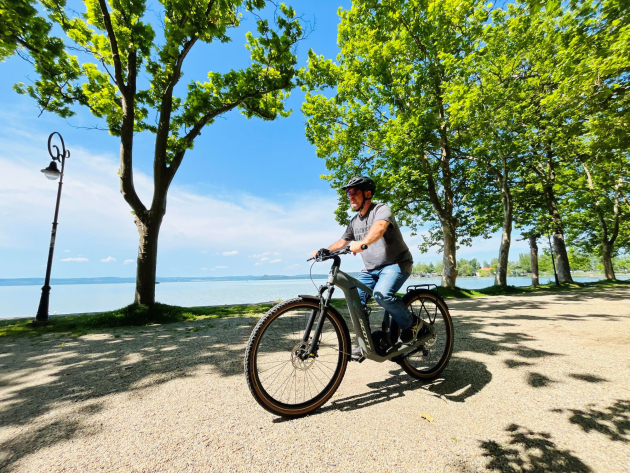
(113, 44)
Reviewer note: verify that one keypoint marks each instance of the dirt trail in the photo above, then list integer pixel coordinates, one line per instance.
(536, 383)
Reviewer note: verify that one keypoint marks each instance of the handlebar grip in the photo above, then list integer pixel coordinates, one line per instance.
(364, 247)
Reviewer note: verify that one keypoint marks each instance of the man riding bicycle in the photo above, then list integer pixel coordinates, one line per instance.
(387, 259)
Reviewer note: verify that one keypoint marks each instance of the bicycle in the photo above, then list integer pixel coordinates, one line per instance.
(298, 351)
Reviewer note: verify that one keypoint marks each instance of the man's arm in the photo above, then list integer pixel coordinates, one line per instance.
(339, 244)
(376, 233)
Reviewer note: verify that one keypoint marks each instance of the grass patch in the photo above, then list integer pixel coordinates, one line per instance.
(133, 315)
(139, 315)
(459, 293)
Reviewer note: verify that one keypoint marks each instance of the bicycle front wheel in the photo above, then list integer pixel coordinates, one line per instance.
(428, 361)
(278, 378)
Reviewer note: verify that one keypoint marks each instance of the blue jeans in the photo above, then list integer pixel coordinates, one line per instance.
(385, 282)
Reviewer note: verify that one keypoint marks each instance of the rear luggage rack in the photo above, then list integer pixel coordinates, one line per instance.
(423, 310)
(424, 286)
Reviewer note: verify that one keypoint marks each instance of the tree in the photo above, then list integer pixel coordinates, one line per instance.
(464, 267)
(545, 264)
(525, 262)
(580, 260)
(533, 256)
(389, 115)
(598, 216)
(596, 83)
(118, 49)
(487, 101)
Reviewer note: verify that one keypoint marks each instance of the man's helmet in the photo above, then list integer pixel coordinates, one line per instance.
(361, 182)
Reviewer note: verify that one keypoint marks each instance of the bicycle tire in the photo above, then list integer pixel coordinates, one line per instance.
(419, 364)
(276, 357)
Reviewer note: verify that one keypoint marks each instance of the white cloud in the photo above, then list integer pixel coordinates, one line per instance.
(202, 222)
(76, 260)
(108, 259)
(275, 260)
(229, 253)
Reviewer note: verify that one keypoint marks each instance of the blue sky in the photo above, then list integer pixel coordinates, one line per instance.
(248, 199)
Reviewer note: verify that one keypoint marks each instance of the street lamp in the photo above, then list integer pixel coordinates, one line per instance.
(555, 273)
(52, 173)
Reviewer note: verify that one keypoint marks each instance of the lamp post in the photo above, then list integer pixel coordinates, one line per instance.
(52, 173)
(553, 261)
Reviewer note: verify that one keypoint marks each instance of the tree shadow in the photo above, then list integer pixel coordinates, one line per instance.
(537, 380)
(589, 378)
(612, 421)
(39, 374)
(462, 379)
(45, 435)
(530, 451)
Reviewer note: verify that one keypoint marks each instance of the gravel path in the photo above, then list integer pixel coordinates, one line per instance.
(536, 383)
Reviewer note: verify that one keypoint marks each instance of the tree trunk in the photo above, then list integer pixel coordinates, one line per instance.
(449, 261)
(607, 244)
(533, 251)
(500, 277)
(147, 262)
(607, 259)
(562, 258)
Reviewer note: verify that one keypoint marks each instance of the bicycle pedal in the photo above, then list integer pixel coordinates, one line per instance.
(357, 355)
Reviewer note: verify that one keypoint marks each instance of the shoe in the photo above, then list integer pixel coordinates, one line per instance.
(410, 333)
(357, 355)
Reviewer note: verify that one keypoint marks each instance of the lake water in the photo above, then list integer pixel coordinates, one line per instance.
(22, 301)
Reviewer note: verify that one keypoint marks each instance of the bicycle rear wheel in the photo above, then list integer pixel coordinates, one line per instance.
(428, 361)
(277, 377)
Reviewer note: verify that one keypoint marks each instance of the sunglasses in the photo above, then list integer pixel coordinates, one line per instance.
(352, 192)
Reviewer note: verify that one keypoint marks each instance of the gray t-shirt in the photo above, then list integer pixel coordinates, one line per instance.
(391, 249)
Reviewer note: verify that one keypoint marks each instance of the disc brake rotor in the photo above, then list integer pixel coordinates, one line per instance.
(297, 361)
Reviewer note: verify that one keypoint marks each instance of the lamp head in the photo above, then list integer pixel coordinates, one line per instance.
(52, 172)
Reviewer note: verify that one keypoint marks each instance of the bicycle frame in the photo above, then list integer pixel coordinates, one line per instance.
(360, 320)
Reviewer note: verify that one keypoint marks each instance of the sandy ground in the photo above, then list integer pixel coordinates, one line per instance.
(536, 383)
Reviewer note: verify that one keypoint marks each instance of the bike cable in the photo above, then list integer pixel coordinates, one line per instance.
(310, 272)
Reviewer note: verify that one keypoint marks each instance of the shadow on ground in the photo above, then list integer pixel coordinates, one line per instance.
(463, 378)
(529, 451)
(38, 374)
(612, 421)
(54, 370)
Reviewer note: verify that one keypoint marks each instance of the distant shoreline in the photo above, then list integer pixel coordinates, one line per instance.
(276, 277)
(115, 280)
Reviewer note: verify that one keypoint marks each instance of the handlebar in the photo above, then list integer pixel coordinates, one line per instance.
(322, 256)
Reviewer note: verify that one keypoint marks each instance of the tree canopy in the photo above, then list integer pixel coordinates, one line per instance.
(125, 68)
(473, 118)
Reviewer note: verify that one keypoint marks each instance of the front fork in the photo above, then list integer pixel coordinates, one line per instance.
(311, 349)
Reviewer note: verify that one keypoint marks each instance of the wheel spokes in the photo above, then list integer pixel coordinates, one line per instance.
(283, 374)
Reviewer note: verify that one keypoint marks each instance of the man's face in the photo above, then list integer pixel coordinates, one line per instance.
(356, 197)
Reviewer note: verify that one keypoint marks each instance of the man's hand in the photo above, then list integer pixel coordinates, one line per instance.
(314, 253)
(355, 247)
